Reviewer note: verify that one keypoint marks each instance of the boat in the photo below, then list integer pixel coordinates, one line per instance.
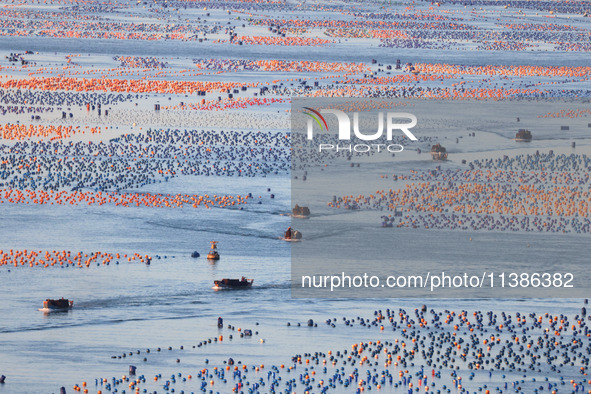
(213, 252)
(523, 135)
(63, 304)
(292, 235)
(225, 283)
(195, 254)
(300, 212)
(438, 152)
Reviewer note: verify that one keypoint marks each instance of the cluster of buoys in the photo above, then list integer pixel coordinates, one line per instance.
(182, 117)
(498, 45)
(418, 350)
(573, 46)
(38, 26)
(149, 200)
(135, 160)
(438, 34)
(65, 258)
(504, 70)
(326, 23)
(414, 43)
(367, 33)
(413, 28)
(540, 26)
(227, 104)
(121, 85)
(285, 41)
(279, 65)
(31, 98)
(570, 7)
(35, 131)
(567, 113)
(21, 109)
(395, 79)
(140, 62)
(576, 164)
(541, 192)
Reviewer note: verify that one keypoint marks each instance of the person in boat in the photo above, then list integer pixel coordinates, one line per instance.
(288, 233)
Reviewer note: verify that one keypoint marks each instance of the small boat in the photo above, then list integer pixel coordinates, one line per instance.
(300, 212)
(292, 235)
(523, 135)
(213, 252)
(63, 304)
(225, 283)
(195, 254)
(438, 152)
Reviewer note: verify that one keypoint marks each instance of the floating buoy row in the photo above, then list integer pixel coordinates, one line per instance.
(286, 41)
(65, 258)
(116, 199)
(34, 131)
(120, 85)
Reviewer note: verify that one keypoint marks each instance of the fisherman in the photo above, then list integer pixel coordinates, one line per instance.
(288, 233)
(220, 322)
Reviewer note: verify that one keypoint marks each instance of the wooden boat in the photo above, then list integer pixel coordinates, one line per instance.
(523, 135)
(236, 284)
(438, 152)
(292, 235)
(300, 212)
(213, 252)
(63, 304)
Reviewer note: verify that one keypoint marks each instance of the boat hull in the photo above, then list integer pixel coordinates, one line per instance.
(49, 310)
(57, 305)
(233, 284)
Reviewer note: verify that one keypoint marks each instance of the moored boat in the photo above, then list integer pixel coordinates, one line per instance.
(226, 283)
